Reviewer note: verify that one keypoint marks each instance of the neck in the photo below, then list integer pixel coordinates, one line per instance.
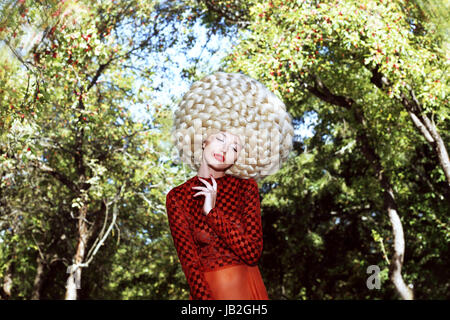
(207, 176)
(205, 171)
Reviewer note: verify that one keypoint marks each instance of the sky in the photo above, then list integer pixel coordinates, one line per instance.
(173, 85)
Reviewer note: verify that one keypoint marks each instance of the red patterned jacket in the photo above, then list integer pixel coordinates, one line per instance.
(230, 234)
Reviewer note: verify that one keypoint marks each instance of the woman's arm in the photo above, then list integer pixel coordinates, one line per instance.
(245, 240)
(186, 249)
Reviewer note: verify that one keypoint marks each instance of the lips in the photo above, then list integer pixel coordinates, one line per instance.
(219, 157)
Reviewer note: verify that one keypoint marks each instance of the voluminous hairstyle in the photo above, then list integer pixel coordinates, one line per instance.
(241, 105)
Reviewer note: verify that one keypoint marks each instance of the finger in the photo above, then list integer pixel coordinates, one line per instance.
(199, 193)
(214, 183)
(205, 182)
(201, 188)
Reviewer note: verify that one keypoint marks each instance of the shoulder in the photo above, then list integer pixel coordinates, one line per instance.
(174, 199)
(248, 183)
(249, 190)
(171, 194)
(179, 191)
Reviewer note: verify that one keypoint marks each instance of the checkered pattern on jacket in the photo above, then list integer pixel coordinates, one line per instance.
(231, 233)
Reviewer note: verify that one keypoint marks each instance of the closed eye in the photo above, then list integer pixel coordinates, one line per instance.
(222, 141)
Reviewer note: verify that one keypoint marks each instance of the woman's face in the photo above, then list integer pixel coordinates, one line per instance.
(222, 149)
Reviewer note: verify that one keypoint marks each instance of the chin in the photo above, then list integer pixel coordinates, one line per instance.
(223, 167)
(219, 166)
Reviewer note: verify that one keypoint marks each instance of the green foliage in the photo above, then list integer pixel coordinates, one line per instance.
(70, 70)
(324, 210)
(69, 143)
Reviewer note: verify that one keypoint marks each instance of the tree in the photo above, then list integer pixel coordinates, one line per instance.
(332, 58)
(83, 183)
(68, 133)
(86, 170)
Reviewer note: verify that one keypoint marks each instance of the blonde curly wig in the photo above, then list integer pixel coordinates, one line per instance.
(241, 105)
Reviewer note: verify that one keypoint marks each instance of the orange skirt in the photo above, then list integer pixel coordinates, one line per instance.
(238, 282)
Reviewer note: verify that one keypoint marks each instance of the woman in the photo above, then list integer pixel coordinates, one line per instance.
(215, 217)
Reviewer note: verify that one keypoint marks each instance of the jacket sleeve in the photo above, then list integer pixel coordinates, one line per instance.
(244, 237)
(186, 249)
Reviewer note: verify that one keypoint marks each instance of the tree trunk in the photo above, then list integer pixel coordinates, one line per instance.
(395, 268)
(71, 285)
(389, 203)
(74, 279)
(7, 282)
(322, 92)
(38, 279)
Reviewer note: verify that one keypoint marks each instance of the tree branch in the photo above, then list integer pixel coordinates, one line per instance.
(421, 121)
(58, 175)
(323, 93)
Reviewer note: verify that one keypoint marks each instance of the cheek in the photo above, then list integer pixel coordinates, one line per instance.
(212, 144)
(208, 145)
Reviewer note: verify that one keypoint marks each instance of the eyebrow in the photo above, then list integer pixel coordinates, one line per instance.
(235, 142)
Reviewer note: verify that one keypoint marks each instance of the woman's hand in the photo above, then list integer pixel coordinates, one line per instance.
(210, 193)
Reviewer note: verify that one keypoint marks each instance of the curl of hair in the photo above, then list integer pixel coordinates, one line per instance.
(243, 106)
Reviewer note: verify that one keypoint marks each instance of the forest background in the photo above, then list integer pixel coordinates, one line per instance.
(87, 95)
